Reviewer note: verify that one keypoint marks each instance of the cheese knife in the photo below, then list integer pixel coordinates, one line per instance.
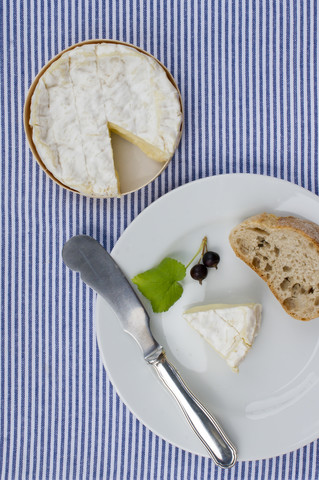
(99, 271)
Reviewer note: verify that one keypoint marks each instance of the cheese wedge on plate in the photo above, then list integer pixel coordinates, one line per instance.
(229, 329)
(91, 91)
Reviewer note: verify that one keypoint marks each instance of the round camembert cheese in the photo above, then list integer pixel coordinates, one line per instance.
(90, 91)
(229, 329)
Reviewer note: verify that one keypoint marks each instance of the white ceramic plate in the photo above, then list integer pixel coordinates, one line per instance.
(271, 406)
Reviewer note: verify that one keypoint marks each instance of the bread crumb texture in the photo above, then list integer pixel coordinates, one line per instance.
(283, 251)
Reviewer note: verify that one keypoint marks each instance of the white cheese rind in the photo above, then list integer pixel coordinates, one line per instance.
(89, 88)
(229, 329)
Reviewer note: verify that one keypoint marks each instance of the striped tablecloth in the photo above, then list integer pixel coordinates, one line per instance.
(248, 75)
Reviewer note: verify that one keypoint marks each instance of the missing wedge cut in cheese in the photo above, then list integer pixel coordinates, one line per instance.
(150, 150)
(229, 329)
(91, 91)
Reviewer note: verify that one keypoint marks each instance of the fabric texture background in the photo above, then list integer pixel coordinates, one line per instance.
(248, 75)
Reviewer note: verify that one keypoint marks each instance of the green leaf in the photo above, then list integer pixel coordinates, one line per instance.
(160, 284)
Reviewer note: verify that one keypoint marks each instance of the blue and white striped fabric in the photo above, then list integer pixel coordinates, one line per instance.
(248, 74)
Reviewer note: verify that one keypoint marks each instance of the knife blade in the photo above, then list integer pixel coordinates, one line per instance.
(100, 272)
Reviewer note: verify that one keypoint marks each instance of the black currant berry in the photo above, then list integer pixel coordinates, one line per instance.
(211, 259)
(198, 272)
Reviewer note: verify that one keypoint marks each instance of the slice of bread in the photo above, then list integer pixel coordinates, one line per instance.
(284, 251)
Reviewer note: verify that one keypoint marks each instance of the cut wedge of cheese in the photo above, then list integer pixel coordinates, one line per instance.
(90, 91)
(229, 329)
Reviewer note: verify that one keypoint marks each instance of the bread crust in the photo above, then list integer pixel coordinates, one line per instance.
(305, 228)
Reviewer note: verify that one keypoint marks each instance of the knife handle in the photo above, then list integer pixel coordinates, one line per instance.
(202, 422)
